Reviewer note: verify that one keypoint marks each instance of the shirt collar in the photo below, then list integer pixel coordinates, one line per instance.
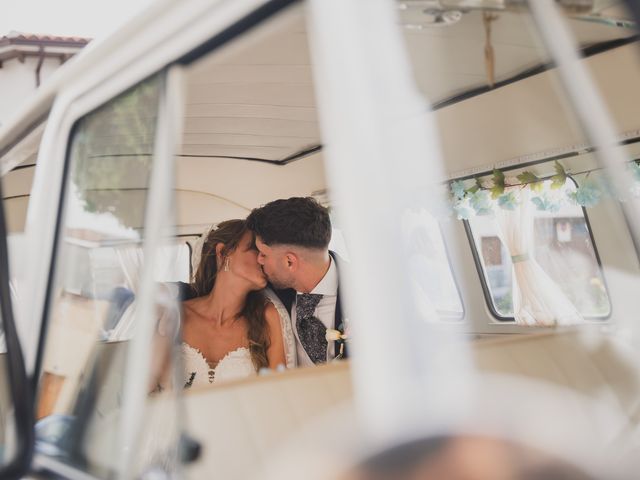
(329, 284)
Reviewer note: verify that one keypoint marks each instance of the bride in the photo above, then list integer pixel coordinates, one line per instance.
(231, 328)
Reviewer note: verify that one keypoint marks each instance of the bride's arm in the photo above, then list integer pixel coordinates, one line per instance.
(275, 352)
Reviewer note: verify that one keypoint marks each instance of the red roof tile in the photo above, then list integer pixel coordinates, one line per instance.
(25, 38)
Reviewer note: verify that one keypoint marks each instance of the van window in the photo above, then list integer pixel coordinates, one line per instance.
(430, 270)
(98, 266)
(562, 245)
(492, 91)
(250, 136)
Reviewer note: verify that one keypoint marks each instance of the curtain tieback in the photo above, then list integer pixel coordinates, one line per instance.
(520, 258)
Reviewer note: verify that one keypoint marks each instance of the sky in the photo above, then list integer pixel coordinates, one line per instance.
(84, 18)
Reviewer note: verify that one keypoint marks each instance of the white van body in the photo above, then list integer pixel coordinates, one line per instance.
(371, 110)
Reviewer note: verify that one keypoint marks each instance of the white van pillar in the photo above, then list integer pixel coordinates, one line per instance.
(383, 159)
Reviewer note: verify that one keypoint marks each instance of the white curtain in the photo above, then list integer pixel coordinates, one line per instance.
(173, 265)
(130, 260)
(537, 299)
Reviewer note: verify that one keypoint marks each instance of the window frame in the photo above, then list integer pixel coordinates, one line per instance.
(73, 108)
(20, 392)
(44, 460)
(69, 109)
(486, 291)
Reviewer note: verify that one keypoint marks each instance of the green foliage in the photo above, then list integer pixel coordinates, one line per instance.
(560, 178)
(482, 200)
(498, 184)
(531, 180)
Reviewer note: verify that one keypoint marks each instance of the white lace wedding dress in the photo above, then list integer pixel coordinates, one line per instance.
(198, 372)
(236, 364)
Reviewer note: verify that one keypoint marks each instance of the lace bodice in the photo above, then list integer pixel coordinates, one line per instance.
(234, 365)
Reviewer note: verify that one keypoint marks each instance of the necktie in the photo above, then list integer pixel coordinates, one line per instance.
(311, 331)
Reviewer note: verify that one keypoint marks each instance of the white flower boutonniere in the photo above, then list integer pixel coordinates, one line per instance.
(334, 335)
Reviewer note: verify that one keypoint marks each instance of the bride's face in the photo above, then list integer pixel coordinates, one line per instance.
(243, 263)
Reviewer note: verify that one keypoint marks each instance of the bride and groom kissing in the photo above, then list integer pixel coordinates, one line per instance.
(264, 295)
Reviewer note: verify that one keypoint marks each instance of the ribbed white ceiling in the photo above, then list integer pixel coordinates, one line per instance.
(258, 102)
(254, 99)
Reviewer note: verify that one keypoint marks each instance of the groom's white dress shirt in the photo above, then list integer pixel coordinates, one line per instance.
(325, 312)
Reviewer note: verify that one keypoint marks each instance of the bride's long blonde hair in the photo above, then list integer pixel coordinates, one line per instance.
(229, 233)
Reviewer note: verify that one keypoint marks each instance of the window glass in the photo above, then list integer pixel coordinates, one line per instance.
(430, 271)
(434, 287)
(431, 275)
(250, 137)
(337, 243)
(562, 246)
(94, 297)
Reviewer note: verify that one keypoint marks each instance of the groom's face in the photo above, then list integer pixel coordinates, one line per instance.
(276, 264)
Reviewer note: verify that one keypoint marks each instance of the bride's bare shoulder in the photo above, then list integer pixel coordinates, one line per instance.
(190, 309)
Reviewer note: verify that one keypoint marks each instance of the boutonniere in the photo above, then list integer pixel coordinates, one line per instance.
(335, 335)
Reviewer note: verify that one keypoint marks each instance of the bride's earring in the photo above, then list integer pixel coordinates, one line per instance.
(226, 264)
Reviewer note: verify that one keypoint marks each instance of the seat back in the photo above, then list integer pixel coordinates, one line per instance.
(241, 423)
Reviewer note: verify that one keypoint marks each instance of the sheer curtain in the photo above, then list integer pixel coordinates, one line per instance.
(537, 299)
(130, 260)
(172, 265)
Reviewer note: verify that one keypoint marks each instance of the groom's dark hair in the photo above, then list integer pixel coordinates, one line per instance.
(298, 221)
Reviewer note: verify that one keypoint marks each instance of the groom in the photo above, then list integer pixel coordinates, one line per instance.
(292, 237)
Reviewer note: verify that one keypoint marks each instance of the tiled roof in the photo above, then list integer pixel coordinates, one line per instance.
(33, 38)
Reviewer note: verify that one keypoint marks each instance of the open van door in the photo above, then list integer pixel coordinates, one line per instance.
(16, 403)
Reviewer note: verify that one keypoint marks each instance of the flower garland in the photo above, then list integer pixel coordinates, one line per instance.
(548, 193)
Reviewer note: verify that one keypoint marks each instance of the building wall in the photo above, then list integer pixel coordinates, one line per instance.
(18, 83)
